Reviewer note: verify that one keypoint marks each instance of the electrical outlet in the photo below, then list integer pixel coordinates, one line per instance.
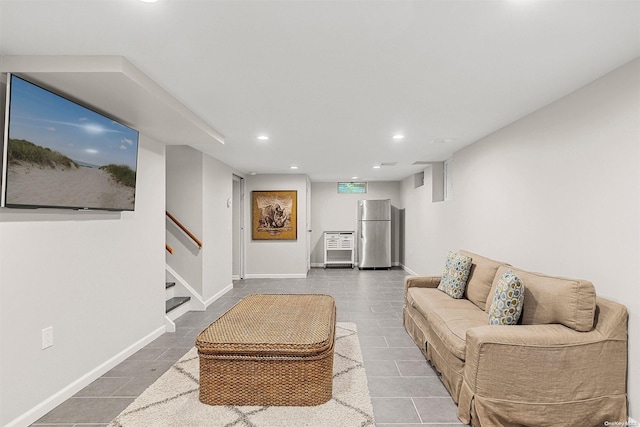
(47, 337)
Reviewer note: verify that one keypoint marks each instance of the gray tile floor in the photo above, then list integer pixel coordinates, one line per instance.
(405, 390)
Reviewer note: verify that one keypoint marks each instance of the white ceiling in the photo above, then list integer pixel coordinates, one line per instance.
(332, 81)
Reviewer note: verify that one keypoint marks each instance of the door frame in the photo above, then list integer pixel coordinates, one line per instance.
(238, 248)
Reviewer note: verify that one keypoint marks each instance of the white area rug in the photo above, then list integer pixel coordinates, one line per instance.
(173, 399)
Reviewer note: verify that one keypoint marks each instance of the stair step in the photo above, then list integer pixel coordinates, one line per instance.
(168, 285)
(175, 302)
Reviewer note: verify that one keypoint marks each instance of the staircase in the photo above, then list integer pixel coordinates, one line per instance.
(175, 306)
(178, 298)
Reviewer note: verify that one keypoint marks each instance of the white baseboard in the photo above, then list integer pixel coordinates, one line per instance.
(177, 312)
(197, 303)
(169, 324)
(276, 276)
(214, 298)
(408, 270)
(169, 320)
(317, 264)
(47, 405)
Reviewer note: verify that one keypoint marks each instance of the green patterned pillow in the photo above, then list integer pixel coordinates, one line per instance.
(507, 301)
(455, 275)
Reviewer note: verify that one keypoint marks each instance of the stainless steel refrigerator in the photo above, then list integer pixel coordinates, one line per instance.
(374, 233)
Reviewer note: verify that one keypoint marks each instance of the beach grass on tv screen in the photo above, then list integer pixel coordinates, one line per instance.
(26, 151)
(122, 174)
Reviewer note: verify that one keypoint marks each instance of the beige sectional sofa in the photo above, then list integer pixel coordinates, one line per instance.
(564, 363)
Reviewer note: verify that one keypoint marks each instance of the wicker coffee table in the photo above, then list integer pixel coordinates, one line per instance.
(269, 350)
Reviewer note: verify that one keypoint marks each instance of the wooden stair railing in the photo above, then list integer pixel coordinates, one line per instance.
(185, 229)
(169, 248)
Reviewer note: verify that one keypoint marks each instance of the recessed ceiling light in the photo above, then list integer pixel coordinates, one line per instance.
(148, 1)
(252, 173)
(293, 167)
(398, 137)
(354, 177)
(377, 167)
(263, 137)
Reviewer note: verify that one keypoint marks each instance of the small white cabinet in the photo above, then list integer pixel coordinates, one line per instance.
(339, 248)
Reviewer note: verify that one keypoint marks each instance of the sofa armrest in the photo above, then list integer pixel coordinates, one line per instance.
(543, 363)
(421, 282)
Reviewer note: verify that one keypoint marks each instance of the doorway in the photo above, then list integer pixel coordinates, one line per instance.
(237, 224)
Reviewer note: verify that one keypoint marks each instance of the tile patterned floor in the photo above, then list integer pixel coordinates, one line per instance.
(405, 390)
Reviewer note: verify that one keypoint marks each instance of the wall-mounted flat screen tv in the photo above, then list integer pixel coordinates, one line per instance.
(59, 154)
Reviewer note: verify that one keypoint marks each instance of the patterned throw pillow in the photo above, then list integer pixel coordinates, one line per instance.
(507, 301)
(455, 275)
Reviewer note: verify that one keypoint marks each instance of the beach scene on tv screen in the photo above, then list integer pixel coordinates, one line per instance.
(61, 154)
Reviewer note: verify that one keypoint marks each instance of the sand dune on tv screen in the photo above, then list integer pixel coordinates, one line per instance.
(29, 184)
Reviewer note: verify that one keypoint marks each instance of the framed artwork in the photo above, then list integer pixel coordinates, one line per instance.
(274, 215)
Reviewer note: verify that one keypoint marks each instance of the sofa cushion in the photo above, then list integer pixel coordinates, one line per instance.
(455, 275)
(448, 318)
(548, 299)
(426, 300)
(483, 271)
(506, 304)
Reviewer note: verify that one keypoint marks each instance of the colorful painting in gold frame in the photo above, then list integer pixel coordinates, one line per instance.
(274, 215)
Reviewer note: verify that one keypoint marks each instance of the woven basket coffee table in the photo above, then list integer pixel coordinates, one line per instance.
(269, 350)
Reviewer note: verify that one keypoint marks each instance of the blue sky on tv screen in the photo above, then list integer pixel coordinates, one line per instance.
(51, 121)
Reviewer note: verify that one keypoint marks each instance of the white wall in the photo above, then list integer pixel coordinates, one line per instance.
(277, 258)
(97, 278)
(217, 228)
(423, 227)
(338, 212)
(198, 187)
(557, 191)
(185, 202)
